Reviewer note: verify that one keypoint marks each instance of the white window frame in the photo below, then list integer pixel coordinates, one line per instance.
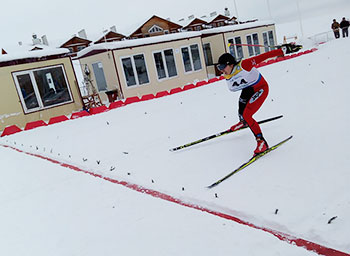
(36, 89)
(254, 48)
(165, 65)
(191, 59)
(156, 28)
(236, 47)
(267, 33)
(134, 70)
(211, 52)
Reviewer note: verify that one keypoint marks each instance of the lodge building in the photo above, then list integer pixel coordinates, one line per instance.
(40, 84)
(37, 85)
(150, 65)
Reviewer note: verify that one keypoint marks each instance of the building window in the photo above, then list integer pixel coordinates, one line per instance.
(99, 76)
(236, 48)
(253, 44)
(165, 64)
(269, 41)
(207, 54)
(155, 29)
(220, 24)
(135, 70)
(81, 47)
(191, 58)
(42, 88)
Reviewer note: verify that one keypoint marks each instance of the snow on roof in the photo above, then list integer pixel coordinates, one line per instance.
(132, 27)
(237, 27)
(169, 37)
(137, 42)
(18, 55)
(184, 23)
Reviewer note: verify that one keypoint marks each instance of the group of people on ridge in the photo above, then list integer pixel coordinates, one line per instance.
(344, 26)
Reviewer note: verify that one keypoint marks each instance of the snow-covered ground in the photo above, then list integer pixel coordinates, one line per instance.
(47, 209)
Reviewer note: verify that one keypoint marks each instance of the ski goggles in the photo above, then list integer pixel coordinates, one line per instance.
(221, 67)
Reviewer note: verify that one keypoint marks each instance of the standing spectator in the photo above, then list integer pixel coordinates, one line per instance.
(335, 27)
(344, 25)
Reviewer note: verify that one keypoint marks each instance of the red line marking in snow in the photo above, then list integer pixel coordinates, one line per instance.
(311, 246)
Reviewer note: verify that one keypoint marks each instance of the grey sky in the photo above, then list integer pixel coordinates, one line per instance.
(61, 19)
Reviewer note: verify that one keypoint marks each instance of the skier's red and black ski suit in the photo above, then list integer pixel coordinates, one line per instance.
(255, 89)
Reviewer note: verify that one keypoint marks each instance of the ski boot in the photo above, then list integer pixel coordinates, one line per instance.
(238, 126)
(262, 145)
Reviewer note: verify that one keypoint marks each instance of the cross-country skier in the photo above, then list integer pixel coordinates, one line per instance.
(242, 75)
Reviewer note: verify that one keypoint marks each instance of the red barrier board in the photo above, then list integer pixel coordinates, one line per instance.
(58, 119)
(35, 124)
(11, 130)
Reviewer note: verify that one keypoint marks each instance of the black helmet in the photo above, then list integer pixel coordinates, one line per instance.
(226, 59)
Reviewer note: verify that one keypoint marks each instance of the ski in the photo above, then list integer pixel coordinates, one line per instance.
(220, 134)
(249, 162)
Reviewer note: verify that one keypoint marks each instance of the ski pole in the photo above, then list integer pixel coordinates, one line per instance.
(254, 45)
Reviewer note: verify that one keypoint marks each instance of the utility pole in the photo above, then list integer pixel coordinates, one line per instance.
(299, 15)
(236, 10)
(268, 8)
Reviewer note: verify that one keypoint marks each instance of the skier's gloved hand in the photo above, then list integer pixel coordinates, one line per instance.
(290, 48)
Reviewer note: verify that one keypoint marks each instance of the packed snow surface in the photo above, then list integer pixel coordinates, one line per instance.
(47, 209)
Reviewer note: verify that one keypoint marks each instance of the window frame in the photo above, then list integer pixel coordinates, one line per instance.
(155, 29)
(191, 59)
(134, 70)
(166, 69)
(206, 57)
(235, 47)
(41, 106)
(255, 52)
(268, 40)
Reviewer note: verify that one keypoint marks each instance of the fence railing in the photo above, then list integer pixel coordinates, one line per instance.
(323, 37)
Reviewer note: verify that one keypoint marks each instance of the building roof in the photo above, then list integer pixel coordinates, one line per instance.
(236, 27)
(108, 35)
(20, 55)
(193, 22)
(76, 40)
(219, 17)
(138, 30)
(169, 37)
(137, 42)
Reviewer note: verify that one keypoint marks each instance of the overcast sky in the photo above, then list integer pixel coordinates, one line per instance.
(59, 20)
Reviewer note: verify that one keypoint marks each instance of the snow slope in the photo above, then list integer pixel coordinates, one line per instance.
(47, 210)
(306, 179)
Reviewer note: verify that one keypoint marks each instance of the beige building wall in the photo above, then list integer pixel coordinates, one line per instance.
(11, 111)
(114, 72)
(107, 61)
(155, 85)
